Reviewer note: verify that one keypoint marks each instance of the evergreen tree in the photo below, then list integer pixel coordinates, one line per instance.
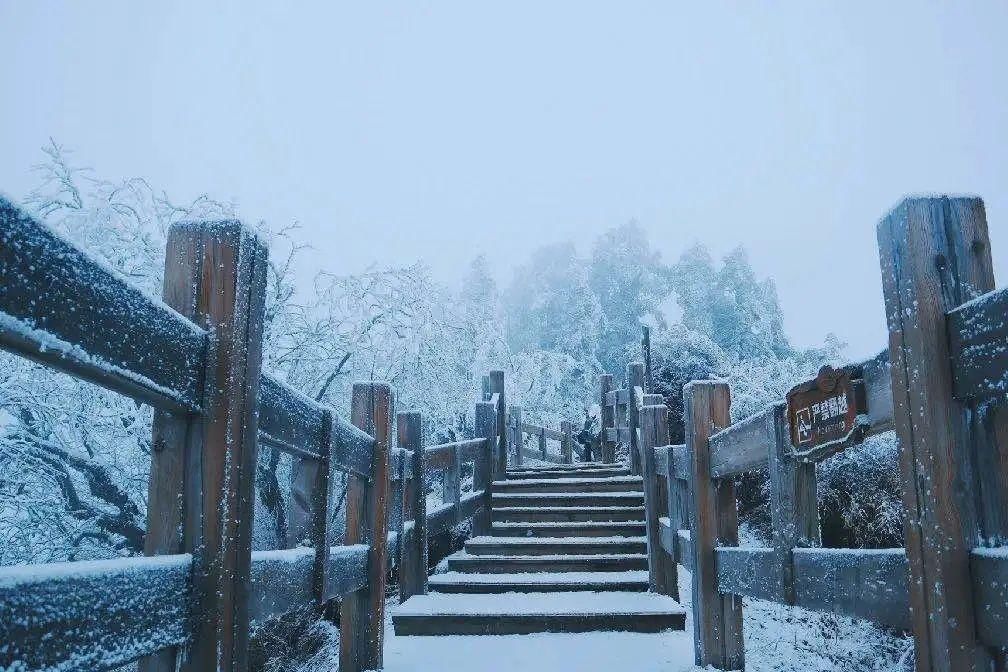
(630, 283)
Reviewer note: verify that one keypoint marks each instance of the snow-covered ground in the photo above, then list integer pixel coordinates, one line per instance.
(778, 639)
(584, 652)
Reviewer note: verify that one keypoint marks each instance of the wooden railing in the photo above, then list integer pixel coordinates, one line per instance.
(195, 357)
(941, 385)
(518, 429)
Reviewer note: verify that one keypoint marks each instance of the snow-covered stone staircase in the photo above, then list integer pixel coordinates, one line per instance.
(567, 553)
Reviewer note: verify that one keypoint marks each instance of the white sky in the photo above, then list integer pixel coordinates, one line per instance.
(393, 131)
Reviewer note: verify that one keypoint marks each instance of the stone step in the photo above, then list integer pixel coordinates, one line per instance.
(515, 564)
(541, 514)
(602, 472)
(570, 485)
(566, 467)
(541, 582)
(555, 546)
(441, 614)
(570, 529)
(567, 499)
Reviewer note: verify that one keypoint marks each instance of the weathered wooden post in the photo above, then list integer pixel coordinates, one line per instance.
(308, 513)
(646, 352)
(935, 255)
(519, 435)
(635, 379)
(396, 513)
(500, 462)
(201, 491)
(794, 510)
(542, 443)
(413, 574)
(717, 618)
(662, 574)
(486, 427)
(608, 447)
(677, 495)
(567, 443)
(451, 491)
(362, 613)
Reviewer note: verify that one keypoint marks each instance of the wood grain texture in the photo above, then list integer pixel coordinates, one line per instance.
(109, 612)
(308, 510)
(567, 442)
(450, 486)
(717, 618)
(202, 470)
(288, 418)
(935, 255)
(485, 428)
(635, 379)
(662, 572)
(743, 446)
(518, 442)
(869, 584)
(608, 420)
(989, 569)
(500, 461)
(878, 392)
(91, 323)
(794, 513)
(413, 561)
(362, 612)
(978, 332)
(537, 430)
(748, 572)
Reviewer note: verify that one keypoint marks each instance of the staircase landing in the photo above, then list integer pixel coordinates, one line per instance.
(567, 553)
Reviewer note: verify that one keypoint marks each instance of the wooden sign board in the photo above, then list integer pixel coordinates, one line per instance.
(825, 410)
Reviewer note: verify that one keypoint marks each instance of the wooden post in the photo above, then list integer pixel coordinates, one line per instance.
(486, 427)
(396, 517)
(608, 418)
(935, 255)
(450, 490)
(486, 388)
(717, 618)
(567, 444)
(635, 379)
(500, 462)
(362, 613)
(519, 435)
(413, 574)
(677, 495)
(646, 351)
(542, 443)
(200, 497)
(662, 574)
(794, 513)
(308, 513)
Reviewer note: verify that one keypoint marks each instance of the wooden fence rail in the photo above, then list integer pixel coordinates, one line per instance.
(565, 436)
(195, 357)
(941, 385)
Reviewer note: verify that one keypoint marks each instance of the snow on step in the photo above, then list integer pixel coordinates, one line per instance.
(568, 467)
(511, 613)
(568, 513)
(461, 582)
(566, 473)
(603, 484)
(566, 528)
(508, 564)
(567, 499)
(555, 545)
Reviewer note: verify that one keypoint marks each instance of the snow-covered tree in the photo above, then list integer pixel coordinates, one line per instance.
(551, 306)
(630, 283)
